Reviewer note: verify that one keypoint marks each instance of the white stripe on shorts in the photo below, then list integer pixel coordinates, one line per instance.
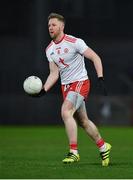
(79, 86)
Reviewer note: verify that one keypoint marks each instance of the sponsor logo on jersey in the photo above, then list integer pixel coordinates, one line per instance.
(58, 50)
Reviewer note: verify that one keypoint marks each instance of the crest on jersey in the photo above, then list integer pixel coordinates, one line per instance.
(66, 50)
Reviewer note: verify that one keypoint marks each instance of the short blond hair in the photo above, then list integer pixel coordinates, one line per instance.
(58, 16)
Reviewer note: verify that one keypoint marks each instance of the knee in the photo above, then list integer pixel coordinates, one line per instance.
(65, 113)
(67, 110)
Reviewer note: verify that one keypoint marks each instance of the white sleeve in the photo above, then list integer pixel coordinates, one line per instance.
(48, 56)
(81, 46)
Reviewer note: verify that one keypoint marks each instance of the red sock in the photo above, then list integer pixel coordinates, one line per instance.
(100, 143)
(74, 146)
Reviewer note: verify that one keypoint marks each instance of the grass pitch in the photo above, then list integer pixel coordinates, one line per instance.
(36, 152)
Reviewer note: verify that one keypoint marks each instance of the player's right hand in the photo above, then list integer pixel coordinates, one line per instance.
(40, 94)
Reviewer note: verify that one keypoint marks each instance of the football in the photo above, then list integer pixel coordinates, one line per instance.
(32, 85)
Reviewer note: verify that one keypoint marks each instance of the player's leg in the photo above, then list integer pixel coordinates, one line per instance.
(81, 116)
(67, 112)
(71, 103)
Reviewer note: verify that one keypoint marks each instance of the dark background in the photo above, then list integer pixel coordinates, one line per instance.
(105, 25)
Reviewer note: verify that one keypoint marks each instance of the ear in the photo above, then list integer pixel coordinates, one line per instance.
(62, 26)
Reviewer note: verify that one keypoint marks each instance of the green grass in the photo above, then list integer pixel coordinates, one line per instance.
(36, 152)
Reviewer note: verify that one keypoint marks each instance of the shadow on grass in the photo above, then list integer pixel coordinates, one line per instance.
(86, 164)
(121, 164)
(82, 164)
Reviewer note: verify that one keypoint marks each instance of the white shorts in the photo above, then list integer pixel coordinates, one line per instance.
(76, 99)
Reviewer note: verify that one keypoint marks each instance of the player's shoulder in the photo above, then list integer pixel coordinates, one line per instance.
(49, 46)
(70, 38)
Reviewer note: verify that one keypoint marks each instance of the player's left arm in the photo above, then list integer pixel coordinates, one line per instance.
(91, 55)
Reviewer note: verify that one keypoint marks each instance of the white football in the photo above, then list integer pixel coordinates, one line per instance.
(32, 85)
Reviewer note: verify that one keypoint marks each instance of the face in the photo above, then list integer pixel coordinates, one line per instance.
(55, 28)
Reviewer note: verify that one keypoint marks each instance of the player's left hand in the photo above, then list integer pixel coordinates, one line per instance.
(101, 86)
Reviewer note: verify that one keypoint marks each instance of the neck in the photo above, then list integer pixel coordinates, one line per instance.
(59, 37)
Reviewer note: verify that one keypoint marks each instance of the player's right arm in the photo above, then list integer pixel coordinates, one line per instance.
(53, 76)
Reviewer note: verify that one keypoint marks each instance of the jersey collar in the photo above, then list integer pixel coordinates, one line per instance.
(60, 40)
